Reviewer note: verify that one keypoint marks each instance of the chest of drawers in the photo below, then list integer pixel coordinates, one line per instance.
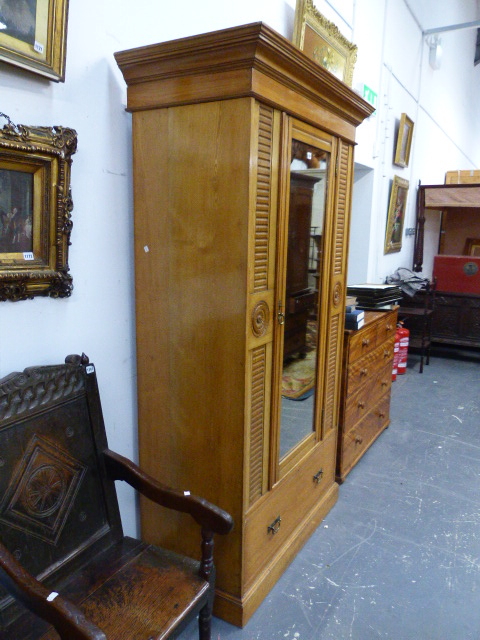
(366, 385)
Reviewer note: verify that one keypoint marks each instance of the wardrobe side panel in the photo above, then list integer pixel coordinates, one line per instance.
(191, 228)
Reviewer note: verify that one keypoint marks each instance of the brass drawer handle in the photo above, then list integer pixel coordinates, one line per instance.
(275, 526)
(318, 476)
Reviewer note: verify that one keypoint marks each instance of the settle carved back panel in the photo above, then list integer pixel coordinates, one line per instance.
(54, 509)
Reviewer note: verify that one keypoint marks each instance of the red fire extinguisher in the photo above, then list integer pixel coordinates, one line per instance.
(404, 335)
(396, 349)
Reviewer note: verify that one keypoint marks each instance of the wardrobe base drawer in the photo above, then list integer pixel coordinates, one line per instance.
(270, 524)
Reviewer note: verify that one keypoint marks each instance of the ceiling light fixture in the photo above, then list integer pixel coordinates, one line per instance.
(435, 55)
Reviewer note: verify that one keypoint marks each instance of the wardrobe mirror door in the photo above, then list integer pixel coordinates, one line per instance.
(308, 179)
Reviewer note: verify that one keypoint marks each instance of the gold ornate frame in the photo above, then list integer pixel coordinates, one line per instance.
(35, 211)
(396, 215)
(321, 41)
(35, 42)
(404, 141)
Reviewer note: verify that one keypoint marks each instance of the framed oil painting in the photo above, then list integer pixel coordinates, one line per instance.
(321, 41)
(396, 215)
(33, 35)
(35, 211)
(404, 141)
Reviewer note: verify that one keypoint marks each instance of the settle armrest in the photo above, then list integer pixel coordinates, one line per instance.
(208, 516)
(68, 620)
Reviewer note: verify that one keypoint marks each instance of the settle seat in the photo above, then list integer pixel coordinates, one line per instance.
(66, 569)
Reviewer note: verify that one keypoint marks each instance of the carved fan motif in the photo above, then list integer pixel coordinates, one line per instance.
(44, 491)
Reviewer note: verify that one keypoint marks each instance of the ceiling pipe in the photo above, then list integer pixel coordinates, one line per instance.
(453, 27)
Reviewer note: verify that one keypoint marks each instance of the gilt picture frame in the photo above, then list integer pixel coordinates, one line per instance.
(35, 211)
(33, 35)
(322, 41)
(404, 141)
(396, 215)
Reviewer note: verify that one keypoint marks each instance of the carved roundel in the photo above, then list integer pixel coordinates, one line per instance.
(44, 491)
(337, 294)
(260, 319)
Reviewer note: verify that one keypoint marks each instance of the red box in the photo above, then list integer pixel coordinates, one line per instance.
(457, 274)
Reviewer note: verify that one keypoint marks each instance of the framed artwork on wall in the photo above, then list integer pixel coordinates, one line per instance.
(321, 41)
(33, 35)
(396, 215)
(35, 211)
(404, 141)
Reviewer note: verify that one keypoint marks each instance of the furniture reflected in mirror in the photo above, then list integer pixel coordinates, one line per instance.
(300, 295)
(308, 171)
(64, 561)
(416, 313)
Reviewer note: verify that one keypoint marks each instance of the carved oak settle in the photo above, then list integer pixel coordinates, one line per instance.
(64, 561)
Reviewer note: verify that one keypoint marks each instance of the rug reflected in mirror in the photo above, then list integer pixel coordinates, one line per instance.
(299, 377)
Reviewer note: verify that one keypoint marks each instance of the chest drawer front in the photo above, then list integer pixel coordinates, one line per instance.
(286, 506)
(358, 439)
(386, 327)
(362, 342)
(362, 371)
(362, 401)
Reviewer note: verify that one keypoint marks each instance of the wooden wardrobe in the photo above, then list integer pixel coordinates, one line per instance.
(215, 120)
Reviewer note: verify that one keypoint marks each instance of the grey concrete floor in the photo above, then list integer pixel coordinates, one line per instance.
(398, 557)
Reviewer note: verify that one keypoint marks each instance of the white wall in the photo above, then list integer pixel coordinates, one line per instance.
(99, 316)
(442, 103)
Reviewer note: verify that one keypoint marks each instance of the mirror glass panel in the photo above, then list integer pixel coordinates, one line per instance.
(308, 180)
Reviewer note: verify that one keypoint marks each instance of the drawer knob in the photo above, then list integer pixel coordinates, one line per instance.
(382, 414)
(363, 372)
(389, 327)
(361, 405)
(384, 383)
(318, 476)
(386, 353)
(275, 526)
(358, 440)
(365, 342)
